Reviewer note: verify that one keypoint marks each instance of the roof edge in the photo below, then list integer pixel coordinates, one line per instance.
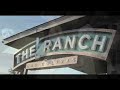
(41, 27)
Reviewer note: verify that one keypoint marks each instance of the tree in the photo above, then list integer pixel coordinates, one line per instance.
(11, 71)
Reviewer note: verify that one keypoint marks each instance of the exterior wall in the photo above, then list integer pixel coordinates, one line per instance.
(110, 22)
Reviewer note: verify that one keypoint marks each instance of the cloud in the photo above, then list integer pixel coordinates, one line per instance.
(10, 50)
(6, 32)
(4, 70)
(6, 62)
(6, 58)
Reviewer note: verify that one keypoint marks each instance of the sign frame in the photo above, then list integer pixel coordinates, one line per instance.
(74, 53)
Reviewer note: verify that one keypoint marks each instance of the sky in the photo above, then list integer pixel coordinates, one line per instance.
(10, 25)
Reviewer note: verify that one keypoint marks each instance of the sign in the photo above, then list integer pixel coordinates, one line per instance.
(90, 42)
(52, 62)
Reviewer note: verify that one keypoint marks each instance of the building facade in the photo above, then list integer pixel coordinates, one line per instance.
(85, 43)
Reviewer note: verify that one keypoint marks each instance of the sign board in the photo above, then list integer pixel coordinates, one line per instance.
(90, 42)
(52, 62)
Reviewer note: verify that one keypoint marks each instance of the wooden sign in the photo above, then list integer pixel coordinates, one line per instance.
(52, 62)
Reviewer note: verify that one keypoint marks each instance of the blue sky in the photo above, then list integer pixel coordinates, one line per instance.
(10, 25)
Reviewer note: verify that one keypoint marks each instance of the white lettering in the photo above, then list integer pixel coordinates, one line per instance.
(25, 54)
(81, 41)
(57, 44)
(100, 43)
(47, 45)
(18, 58)
(70, 42)
(32, 51)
